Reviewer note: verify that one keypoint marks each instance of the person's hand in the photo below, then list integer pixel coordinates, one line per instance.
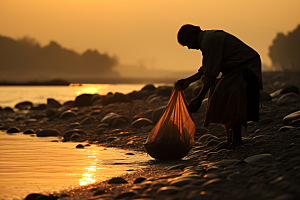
(194, 105)
(183, 83)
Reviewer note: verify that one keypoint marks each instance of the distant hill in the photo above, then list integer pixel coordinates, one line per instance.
(26, 60)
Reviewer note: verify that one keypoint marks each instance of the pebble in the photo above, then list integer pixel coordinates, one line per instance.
(291, 117)
(28, 132)
(107, 117)
(13, 130)
(167, 190)
(87, 120)
(47, 133)
(68, 114)
(286, 128)
(117, 180)
(139, 123)
(288, 99)
(259, 157)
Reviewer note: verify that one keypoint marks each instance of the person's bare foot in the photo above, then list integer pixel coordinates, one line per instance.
(234, 145)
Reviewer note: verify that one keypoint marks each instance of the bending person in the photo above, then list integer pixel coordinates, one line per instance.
(233, 99)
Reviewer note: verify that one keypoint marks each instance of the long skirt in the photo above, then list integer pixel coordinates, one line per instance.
(234, 98)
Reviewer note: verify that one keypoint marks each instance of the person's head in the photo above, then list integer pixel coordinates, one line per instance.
(188, 36)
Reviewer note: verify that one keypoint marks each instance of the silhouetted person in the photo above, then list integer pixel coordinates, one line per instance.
(233, 99)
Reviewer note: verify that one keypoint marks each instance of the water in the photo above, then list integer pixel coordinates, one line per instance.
(32, 164)
(11, 95)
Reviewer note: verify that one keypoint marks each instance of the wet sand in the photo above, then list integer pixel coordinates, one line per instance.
(273, 174)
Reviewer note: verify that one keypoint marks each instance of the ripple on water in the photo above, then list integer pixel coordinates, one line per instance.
(31, 164)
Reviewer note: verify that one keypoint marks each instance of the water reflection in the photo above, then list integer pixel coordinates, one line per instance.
(34, 164)
(92, 89)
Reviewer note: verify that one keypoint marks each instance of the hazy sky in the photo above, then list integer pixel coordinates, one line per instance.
(143, 32)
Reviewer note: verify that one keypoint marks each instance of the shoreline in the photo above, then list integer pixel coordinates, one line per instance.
(272, 174)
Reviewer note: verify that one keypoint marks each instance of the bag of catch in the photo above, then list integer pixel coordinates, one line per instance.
(173, 135)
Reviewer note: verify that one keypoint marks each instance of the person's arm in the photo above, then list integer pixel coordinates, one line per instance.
(184, 83)
(196, 102)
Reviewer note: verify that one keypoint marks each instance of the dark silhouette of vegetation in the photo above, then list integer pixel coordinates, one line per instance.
(285, 51)
(25, 60)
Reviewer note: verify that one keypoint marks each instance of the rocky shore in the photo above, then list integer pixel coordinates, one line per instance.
(267, 166)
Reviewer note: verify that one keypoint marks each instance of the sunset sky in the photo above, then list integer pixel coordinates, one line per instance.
(143, 32)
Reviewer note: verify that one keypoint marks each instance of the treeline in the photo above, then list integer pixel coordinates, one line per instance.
(26, 60)
(285, 51)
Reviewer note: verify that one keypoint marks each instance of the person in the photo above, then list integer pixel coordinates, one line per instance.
(233, 99)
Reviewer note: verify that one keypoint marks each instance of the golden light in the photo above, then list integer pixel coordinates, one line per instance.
(88, 177)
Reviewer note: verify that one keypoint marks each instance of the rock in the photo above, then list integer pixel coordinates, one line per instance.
(211, 182)
(32, 196)
(287, 99)
(25, 105)
(179, 166)
(147, 114)
(68, 114)
(68, 104)
(139, 180)
(83, 100)
(155, 100)
(157, 113)
(266, 121)
(50, 112)
(293, 116)
(117, 180)
(141, 122)
(150, 87)
(13, 130)
(87, 120)
(107, 117)
(294, 122)
(115, 98)
(181, 182)
(206, 137)
(39, 107)
(52, 103)
(167, 190)
(264, 96)
(68, 134)
(95, 112)
(164, 91)
(259, 157)
(47, 133)
(74, 125)
(286, 128)
(118, 121)
(28, 132)
(290, 88)
(79, 146)
(99, 192)
(95, 97)
(8, 109)
(126, 194)
(225, 163)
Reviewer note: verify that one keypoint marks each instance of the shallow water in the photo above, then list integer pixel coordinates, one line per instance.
(32, 164)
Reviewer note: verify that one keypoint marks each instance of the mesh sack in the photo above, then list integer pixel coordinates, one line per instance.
(173, 135)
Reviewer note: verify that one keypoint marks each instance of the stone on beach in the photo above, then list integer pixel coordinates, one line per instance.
(83, 100)
(25, 105)
(141, 122)
(106, 118)
(13, 130)
(117, 180)
(47, 133)
(28, 132)
(52, 103)
(87, 120)
(287, 99)
(293, 116)
(68, 114)
(259, 157)
(150, 87)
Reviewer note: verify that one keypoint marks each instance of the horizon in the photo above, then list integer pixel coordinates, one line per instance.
(143, 33)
